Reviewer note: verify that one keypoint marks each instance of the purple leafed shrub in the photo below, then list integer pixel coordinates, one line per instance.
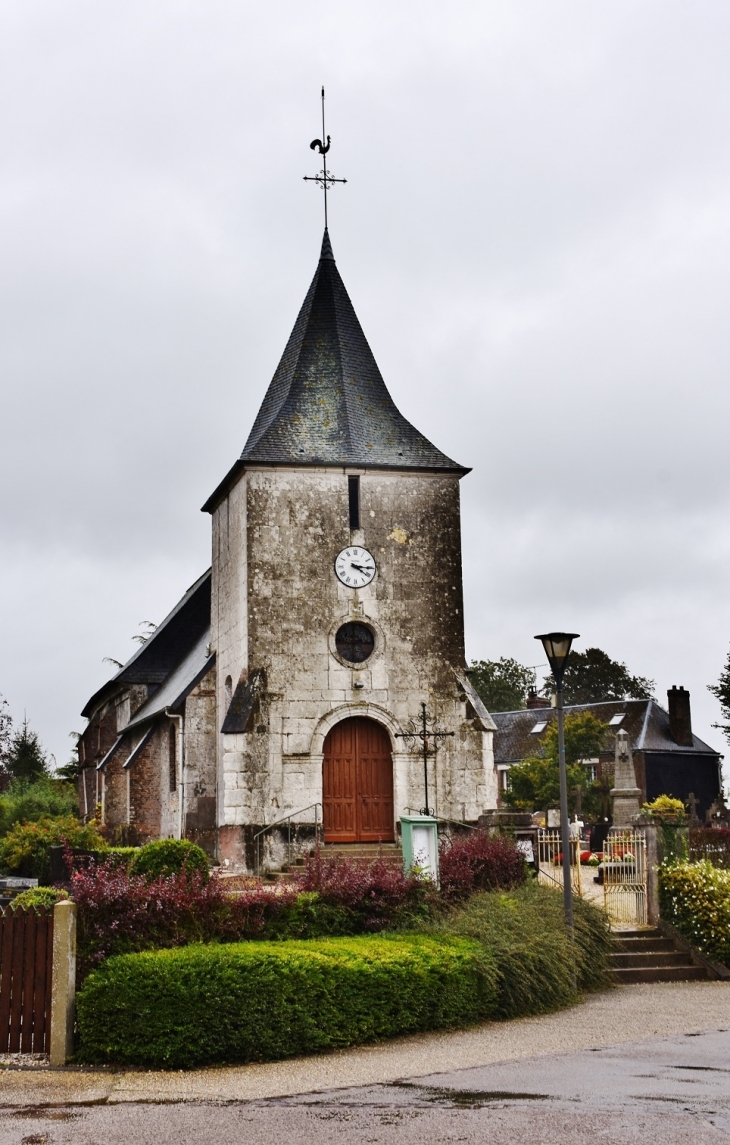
(119, 913)
(371, 895)
(479, 862)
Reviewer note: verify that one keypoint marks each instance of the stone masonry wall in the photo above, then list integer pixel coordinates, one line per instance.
(275, 540)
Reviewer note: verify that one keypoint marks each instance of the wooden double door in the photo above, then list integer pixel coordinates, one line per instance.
(357, 783)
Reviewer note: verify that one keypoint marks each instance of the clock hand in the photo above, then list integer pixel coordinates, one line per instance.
(361, 568)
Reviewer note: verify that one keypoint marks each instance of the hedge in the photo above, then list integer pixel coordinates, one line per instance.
(261, 1001)
(695, 897)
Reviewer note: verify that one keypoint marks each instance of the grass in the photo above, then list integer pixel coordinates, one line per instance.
(539, 967)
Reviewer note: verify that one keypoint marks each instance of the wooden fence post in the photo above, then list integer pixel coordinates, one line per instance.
(63, 988)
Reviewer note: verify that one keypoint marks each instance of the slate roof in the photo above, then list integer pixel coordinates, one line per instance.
(646, 722)
(179, 684)
(327, 403)
(166, 648)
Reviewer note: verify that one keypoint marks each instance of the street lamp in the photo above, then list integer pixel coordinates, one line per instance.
(557, 648)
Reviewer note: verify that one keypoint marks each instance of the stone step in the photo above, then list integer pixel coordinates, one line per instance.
(658, 958)
(661, 974)
(634, 945)
(645, 955)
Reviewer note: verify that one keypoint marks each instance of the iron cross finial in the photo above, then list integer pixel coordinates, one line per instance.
(324, 179)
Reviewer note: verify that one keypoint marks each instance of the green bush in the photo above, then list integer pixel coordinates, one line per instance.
(25, 849)
(26, 802)
(169, 857)
(524, 931)
(695, 897)
(261, 1001)
(39, 896)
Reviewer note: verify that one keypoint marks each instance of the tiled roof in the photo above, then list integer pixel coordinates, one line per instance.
(646, 722)
(327, 403)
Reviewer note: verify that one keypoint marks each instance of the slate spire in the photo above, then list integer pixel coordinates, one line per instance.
(327, 403)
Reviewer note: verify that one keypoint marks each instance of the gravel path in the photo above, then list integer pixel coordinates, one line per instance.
(618, 1016)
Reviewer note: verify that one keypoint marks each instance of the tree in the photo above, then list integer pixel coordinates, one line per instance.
(26, 757)
(721, 690)
(592, 677)
(6, 733)
(535, 782)
(70, 771)
(502, 684)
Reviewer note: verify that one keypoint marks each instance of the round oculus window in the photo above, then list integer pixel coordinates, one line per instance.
(355, 642)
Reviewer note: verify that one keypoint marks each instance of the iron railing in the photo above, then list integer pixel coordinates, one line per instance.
(290, 821)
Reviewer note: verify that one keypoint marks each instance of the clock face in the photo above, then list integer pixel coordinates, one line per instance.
(355, 567)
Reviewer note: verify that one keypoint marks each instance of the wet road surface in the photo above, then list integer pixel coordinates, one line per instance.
(674, 1090)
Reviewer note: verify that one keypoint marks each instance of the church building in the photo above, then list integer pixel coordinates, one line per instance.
(286, 680)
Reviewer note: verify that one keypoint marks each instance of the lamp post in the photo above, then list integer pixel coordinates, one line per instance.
(557, 647)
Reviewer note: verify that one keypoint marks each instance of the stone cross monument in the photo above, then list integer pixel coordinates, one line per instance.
(626, 795)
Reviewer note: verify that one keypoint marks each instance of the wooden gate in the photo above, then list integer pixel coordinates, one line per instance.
(357, 783)
(26, 958)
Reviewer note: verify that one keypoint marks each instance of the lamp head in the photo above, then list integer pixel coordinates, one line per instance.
(557, 646)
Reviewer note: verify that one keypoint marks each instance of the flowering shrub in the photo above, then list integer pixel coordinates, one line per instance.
(665, 808)
(26, 847)
(695, 897)
(367, 897)
(479, 862)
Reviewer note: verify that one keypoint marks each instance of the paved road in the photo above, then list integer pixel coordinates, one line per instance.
(662, 1090)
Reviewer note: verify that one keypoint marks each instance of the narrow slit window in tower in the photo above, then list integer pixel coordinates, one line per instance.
(353, 489)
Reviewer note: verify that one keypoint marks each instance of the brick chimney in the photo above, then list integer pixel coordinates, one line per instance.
(680, 717)
(535, 701)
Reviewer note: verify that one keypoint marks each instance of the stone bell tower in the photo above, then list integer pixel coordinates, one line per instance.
(337, 602)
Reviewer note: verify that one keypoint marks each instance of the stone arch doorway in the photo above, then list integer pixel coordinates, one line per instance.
(357, 783)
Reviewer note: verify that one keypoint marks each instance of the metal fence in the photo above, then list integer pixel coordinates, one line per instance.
(710, 843)
(624, 876)
(550, 860)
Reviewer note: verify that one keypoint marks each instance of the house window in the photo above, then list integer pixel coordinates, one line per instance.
(591, 766)
(172, 756)
(503, 777)
(353, 492)
(539, 727)
(616, 720)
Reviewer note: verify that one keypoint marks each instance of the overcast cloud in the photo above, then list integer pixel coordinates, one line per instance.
(535, 234)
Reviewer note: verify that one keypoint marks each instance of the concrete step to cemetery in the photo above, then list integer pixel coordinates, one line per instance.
(647, 956)
(640, 959)
(687, 973)
(652, 942)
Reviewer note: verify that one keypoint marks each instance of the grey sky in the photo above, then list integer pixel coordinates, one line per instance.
(535, 235)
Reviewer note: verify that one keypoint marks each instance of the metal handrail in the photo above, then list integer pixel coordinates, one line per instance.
(441, 819)
(277, 823)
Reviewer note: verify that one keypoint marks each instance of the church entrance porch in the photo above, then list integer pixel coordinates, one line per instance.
(357, 783)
